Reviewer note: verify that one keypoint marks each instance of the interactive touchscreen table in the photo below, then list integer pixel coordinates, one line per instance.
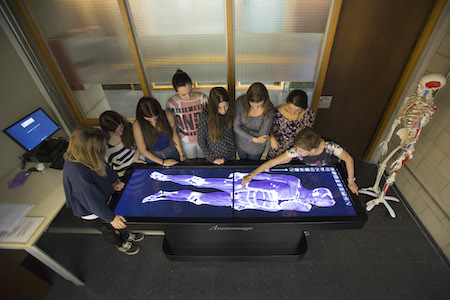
(207, 214)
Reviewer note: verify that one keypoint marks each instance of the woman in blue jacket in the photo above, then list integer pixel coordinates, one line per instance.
(88, 184)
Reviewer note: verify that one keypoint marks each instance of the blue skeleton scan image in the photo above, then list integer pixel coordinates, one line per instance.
(210, 193)
(293, 192)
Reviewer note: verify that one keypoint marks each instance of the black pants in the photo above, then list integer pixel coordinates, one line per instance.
(112, 235)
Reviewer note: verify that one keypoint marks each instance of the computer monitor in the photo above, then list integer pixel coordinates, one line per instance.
(32, 130)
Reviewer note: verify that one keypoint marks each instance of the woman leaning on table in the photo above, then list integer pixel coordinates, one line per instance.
(155, 133)
(215, 128)
(121, 150)
(88, 184)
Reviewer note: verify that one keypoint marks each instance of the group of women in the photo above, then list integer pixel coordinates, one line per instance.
(191, 126)
(220, 127)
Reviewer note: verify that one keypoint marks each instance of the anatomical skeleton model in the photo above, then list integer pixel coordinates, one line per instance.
(416, 111)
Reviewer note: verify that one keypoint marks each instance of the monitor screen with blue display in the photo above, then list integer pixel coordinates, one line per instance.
(217, 193)
(32, 130)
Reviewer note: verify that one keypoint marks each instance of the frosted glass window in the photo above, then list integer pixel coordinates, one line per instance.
(88, 41)
(279, 41)
(180, 34)
(87, 38)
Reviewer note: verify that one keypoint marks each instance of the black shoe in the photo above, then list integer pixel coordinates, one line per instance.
(135, 237)
(128, 248)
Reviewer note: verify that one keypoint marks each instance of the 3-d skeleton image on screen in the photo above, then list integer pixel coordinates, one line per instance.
(268, 192)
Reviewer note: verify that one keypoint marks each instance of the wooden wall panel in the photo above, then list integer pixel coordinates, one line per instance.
(373, 43)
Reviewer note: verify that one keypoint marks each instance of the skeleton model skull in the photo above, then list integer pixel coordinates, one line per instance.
(416, 111)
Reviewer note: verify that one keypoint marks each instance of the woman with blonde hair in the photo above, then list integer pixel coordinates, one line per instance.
(88, 184)
(253, 121)
(155, 133)
(215, 128)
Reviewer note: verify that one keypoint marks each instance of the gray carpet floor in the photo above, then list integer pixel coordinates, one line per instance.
(387, 259)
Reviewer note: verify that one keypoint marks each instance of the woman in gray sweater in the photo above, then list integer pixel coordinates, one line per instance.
(253, 121)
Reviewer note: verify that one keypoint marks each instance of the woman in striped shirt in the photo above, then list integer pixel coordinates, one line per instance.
(121, 151)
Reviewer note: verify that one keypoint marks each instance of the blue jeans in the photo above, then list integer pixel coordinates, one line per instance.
(245, 155)
(172, 153)
(192, 150)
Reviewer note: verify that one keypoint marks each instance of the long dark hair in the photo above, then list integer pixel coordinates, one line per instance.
(257, 92)
(298, 98)
(216, 96)
(109, 120)
(149, 107)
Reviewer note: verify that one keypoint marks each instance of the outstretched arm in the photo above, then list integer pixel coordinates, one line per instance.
(349, 165)
(281, 159)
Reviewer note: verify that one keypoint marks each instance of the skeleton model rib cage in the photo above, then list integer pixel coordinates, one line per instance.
(416, 112)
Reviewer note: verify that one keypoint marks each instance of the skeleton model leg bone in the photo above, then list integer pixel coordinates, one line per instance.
(374, 191)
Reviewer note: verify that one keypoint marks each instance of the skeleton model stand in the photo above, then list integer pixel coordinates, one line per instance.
(417, 110)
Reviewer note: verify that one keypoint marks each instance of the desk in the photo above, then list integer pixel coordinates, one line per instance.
(46, 192)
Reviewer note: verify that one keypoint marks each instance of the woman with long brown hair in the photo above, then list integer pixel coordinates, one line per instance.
(88, 184)
(215, 128)
(253, 121)
(155, 133)
(121, 150)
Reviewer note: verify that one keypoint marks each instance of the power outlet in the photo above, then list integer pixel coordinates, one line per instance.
(325, 102)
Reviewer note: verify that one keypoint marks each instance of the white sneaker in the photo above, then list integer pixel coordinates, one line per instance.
(135, 237)
(128, 248)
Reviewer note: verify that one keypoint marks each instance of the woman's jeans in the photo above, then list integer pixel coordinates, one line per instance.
(112, 235)
(244, 155)
(192, 150)
(172, 153)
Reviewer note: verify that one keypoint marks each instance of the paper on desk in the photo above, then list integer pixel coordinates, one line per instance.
(23, 231)
(11, 214)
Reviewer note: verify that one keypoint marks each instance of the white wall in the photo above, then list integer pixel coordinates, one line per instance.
(19, 96)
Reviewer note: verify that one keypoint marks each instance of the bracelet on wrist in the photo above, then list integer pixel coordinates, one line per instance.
(351, 179)
(163, 162)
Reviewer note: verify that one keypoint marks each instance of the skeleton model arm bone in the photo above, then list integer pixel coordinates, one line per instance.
(425, 87)
(384, 144)
(398, 120)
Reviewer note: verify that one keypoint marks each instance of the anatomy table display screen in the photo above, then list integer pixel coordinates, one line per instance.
(218, 193)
